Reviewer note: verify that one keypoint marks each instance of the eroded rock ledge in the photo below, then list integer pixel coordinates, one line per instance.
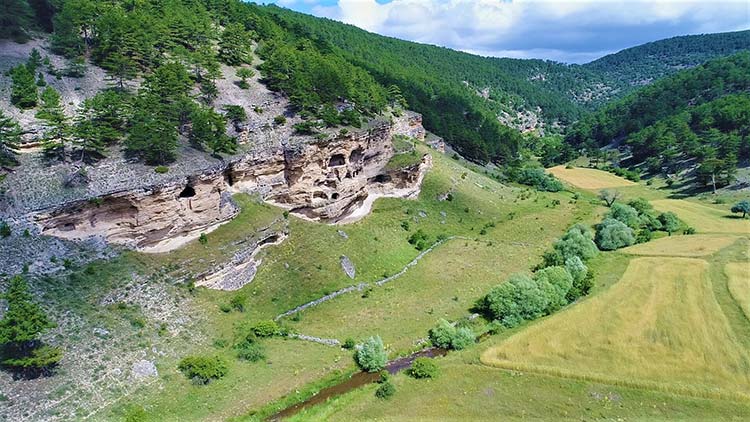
(321, 180)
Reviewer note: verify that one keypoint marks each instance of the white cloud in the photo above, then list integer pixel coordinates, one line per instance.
(571, 30)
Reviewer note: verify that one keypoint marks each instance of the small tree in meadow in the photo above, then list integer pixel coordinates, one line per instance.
(609, 196)
(612, 234)
(742, 207)
(371, 355)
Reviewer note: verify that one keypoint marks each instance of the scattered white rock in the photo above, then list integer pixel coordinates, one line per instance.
(144, 369)
(348, 266)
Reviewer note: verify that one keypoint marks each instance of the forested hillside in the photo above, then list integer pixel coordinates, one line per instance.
(646, 63)
(700, 114)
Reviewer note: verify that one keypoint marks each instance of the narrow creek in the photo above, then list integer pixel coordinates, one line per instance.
(357, 380)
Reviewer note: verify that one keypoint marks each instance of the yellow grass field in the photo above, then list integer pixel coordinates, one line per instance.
(688, 246)
(590, 179)
(659, 327)
(739, 284)
(703, 218)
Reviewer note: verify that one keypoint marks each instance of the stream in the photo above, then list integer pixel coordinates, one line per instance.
(357, 380)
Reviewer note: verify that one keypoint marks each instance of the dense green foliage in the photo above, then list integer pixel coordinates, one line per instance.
(448, 336)
(10, 139)
(423, 368)
(536, 177)
(741, 207)
(24, 90)
(371, 355)
(613, 234)
(203, 369)
(22, 323)
(648, 62)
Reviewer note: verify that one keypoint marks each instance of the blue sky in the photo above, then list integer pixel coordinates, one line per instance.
(574, 31)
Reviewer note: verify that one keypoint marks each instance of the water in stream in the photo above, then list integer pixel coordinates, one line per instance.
(357, 380)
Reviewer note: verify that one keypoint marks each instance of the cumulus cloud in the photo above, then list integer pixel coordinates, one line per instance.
(570, 30)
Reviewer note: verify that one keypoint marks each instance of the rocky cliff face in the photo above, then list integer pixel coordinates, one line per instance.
(320, 180)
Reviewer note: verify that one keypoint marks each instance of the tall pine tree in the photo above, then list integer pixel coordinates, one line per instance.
(57, 135)
(23, 93)
(10, 138)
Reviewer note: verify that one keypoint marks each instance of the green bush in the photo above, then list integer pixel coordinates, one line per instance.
(349, 344)
(538, 178)
(203, 369)
(446, 336)
(576, 242)
(419, 239)
(514, 301)
(423, 368)
(279, 120)
(385, 391)
(4, 229)
(669, 221)
(555, 282)
(250, 350)
(612, 234)
(238, 302)
(371, 356)
(161, 169)
(625, 214)
(644, 235)
(267, 328)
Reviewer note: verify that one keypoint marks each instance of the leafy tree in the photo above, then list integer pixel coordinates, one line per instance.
(10, 139)
(612, 234)
(578, 242)
(582, 280)
(371, 355)
(447, 336)
(22, 323)
(23, 92)
(385, 391)
(58, 132)
(203, 369)
(625, 214)
(669, 222)
(741, 207)
(516, 300)
(556, 282)
(609, 196)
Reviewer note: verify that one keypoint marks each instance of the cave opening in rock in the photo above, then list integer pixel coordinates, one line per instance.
(356, 155)
(337, 160)
(335, 195)
(228, 177)
(188, 192)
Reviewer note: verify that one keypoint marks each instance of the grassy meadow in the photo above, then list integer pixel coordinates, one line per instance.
(589, 179)
(739, 284)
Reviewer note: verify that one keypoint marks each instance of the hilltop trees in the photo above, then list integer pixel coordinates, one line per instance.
(22, 323)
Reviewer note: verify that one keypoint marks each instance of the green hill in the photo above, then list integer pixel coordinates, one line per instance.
(649, 62)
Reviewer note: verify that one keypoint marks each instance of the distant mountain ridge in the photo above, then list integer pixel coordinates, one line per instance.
(646, 63)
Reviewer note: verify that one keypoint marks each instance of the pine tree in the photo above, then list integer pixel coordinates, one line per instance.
(20, 328)
(35, 60)
(121, 68)
(234, 45)
(209, 130)
(100, 121)
(15, 19)
(10, 138)
(57, 134)
(24, 92)
(152, 135)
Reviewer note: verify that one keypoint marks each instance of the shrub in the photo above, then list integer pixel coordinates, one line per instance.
(625, 214)
(641, 205)
(238, 302)
(581, 278)
(250, 350)
(556, 282)
(203, 369)
(644, 235)
(669, 221)
(161, 169)
(267, 328)
(423, 368)
(689, 230)
(612, 234)
(418, 239)
(349, 344)
(279, 120)
(4, 229)
(514, 301)
(385, 391)
(576, 242)
(371, 356)
(203, 239)
(446, 336)
(536, 177)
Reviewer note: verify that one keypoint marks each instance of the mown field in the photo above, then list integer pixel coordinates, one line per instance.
(589, 179)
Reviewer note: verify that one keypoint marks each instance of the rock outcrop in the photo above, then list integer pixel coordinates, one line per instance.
(320, 180)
